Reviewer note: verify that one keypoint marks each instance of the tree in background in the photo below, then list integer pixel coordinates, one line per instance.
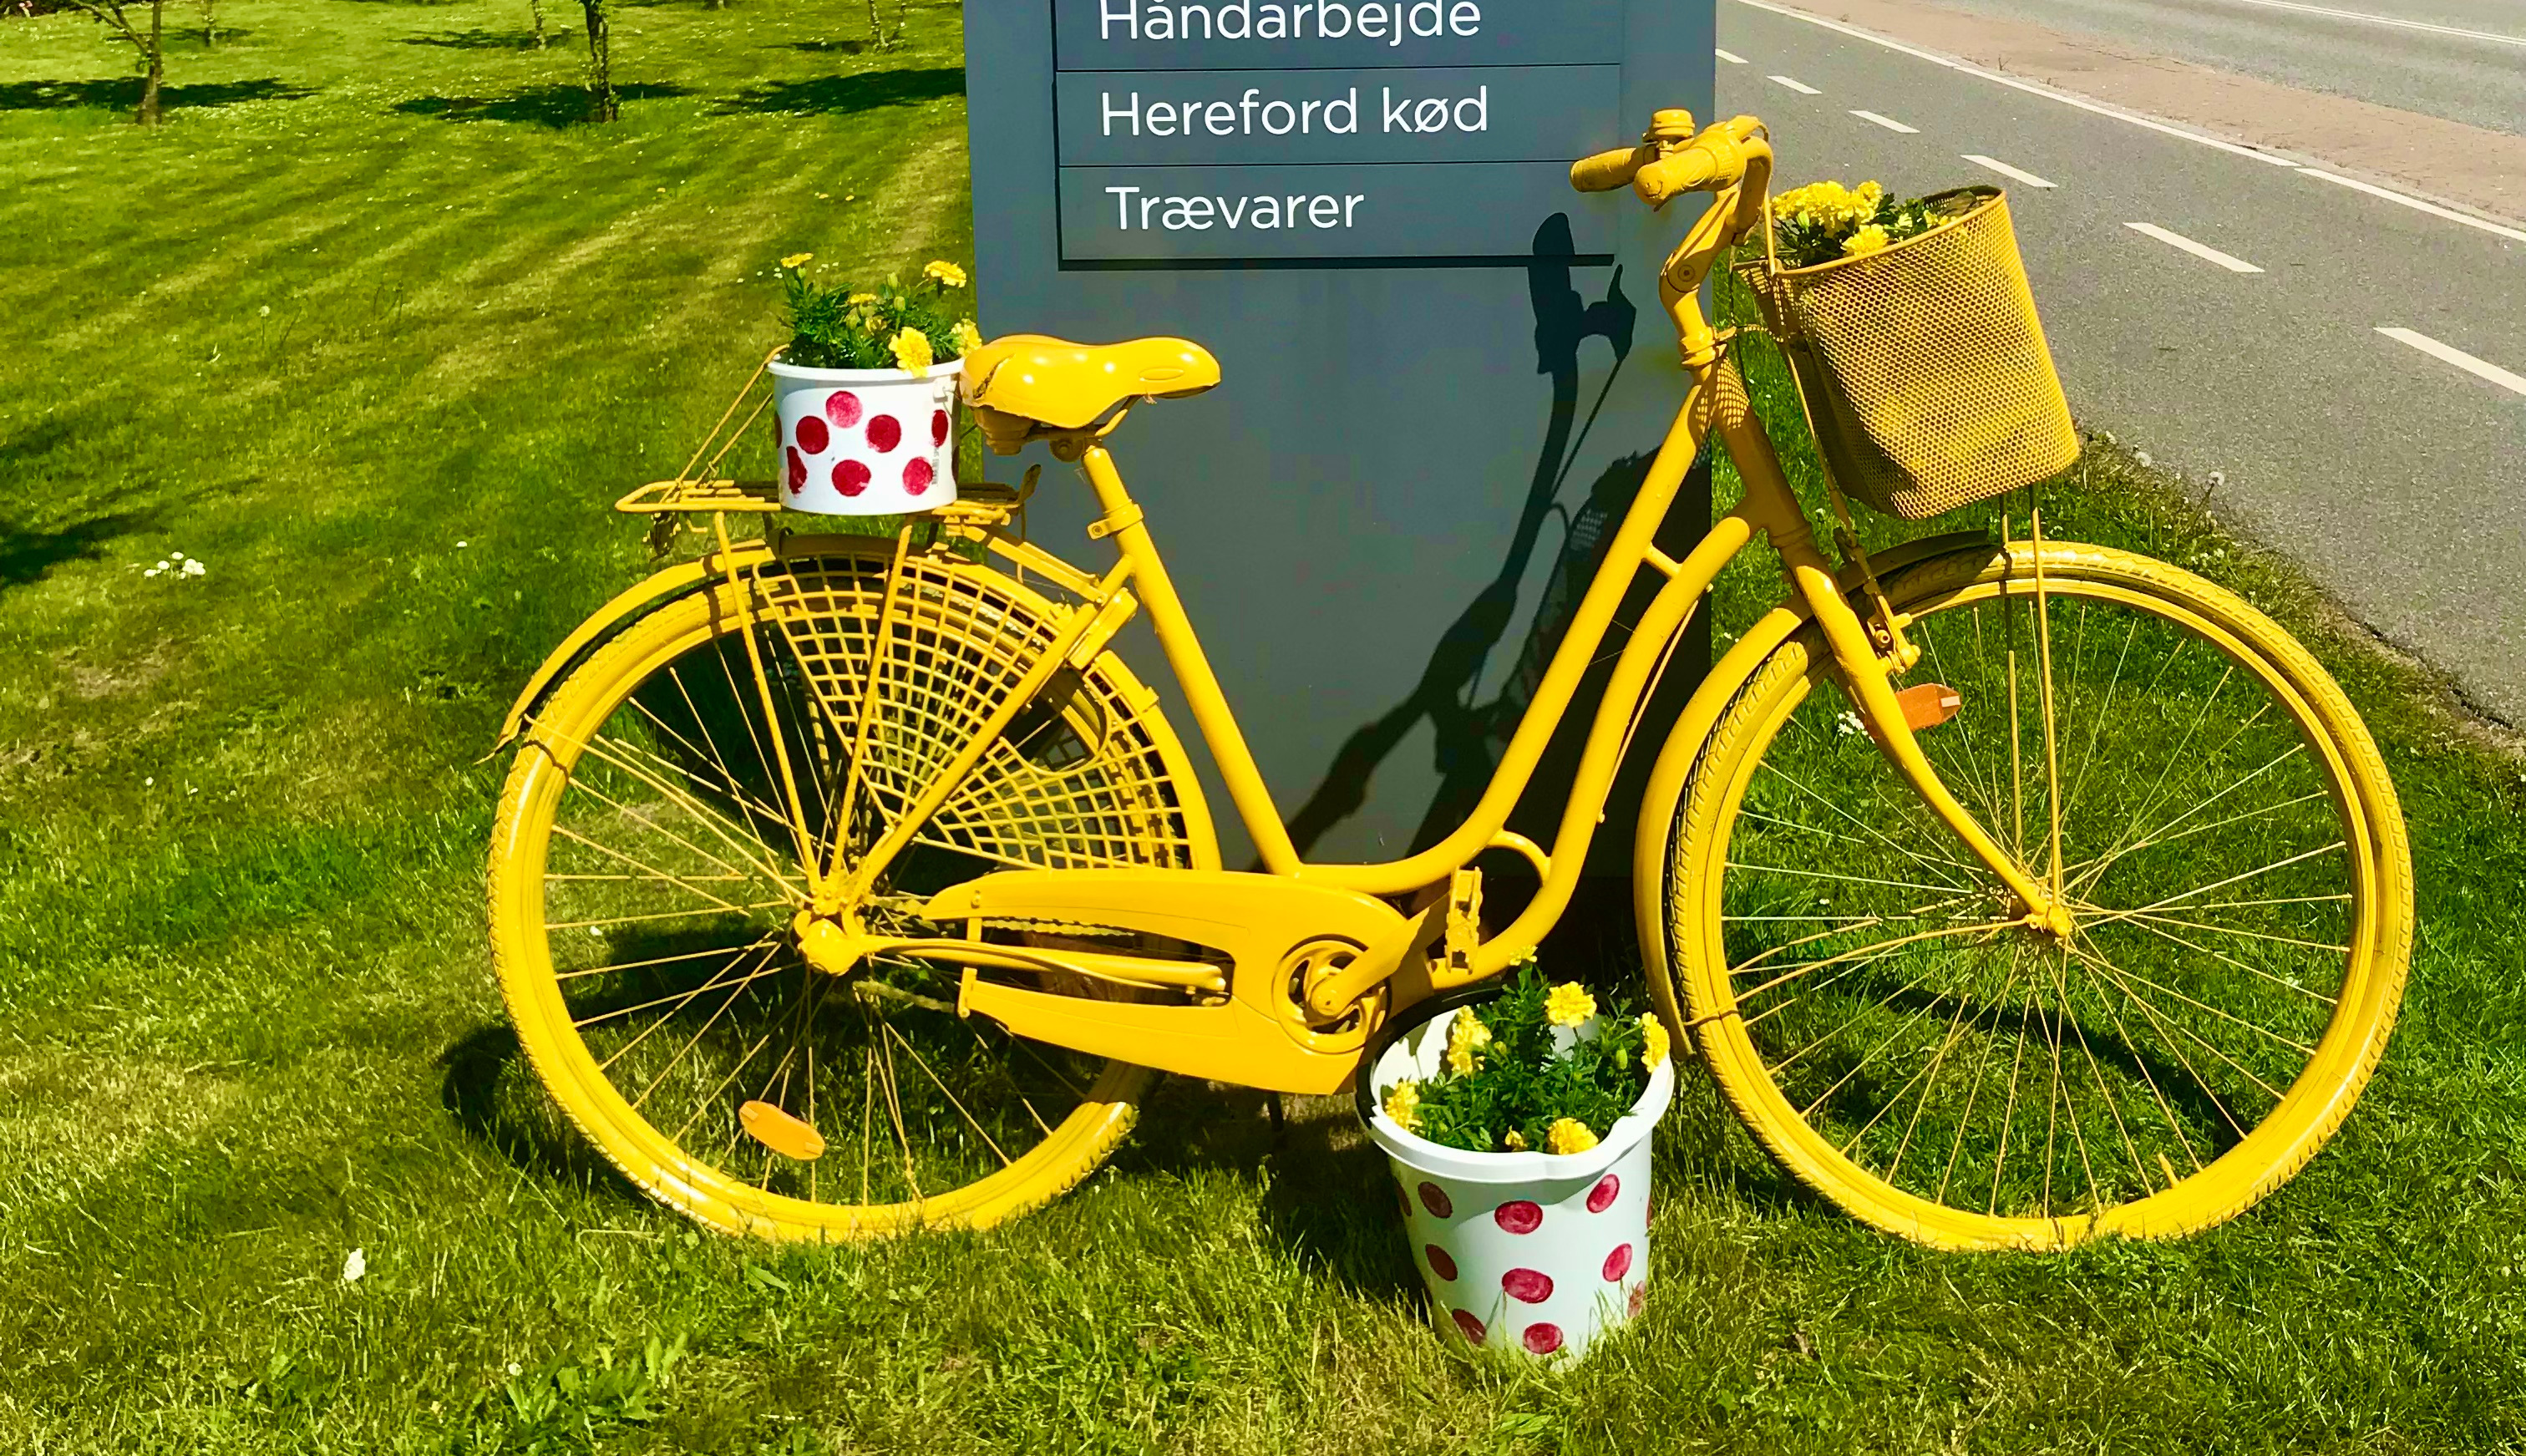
(210, 25)
(879, 35)
(115, 15)
(602, 104)
(539, 7)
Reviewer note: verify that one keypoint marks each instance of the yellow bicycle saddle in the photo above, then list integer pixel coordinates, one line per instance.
(1023, 381)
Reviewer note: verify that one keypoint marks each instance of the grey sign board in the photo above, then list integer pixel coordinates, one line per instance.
(1444, 371)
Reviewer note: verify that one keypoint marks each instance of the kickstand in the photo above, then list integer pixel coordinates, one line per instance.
(1277, 1115)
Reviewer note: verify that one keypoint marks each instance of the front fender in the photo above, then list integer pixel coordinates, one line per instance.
(661, 587)
(1683, 750)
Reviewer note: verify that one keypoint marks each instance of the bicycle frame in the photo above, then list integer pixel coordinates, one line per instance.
(1735, 160)
(1714, 402)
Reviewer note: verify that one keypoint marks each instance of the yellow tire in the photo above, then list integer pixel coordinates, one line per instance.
(2232, 854)
(645, 878)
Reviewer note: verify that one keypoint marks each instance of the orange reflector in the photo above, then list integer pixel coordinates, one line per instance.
(781, 1132)
(1928, 704)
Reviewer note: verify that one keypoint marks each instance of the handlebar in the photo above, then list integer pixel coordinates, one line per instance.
(1672, 159)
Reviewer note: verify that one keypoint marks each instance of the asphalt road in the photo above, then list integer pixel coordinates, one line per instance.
(2396, 473)
(2463, 60)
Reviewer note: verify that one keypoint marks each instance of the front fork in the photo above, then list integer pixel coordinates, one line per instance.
(1773, 507)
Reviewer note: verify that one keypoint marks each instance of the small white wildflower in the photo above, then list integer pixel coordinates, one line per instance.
(153, 571)
(178, 554)
(194, 568)
(2219, 477)
(460, 545)
(355, 1267)
(2143, 457)
(149, 782)
(516, 1369)
(264, 310)
(1849, 723)
(160, 567)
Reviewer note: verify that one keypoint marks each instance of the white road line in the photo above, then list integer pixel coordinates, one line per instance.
(1794, 84)
(2028, 87)
(1731, 57)
(2228, 261)
(2492, 36)
(2144, 122)
(2006, 171)
(2449, 353)
(1889, 122)
(2433, 209)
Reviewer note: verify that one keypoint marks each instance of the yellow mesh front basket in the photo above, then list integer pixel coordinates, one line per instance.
(1923, 368)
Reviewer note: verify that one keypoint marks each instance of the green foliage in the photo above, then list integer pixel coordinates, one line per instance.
(572, 1405)
(841, 326)
(1824, 220)
(1532, 1074)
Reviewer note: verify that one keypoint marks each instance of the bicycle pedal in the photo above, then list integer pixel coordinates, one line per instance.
(1925, 705)
(778, 1130)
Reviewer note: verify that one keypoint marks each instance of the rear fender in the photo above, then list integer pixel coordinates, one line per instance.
(659, 589)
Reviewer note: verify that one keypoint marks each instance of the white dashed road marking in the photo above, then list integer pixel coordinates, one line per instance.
(2228, 261)
(1731, 57)
(2006, 171)
(1889, 122)
(2449, 354)
(1800, 86)
(2030, 87)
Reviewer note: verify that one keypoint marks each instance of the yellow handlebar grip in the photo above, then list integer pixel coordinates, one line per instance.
(1670, 177)
(1607, 171)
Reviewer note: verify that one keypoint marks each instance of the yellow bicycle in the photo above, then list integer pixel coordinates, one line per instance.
(844, 885)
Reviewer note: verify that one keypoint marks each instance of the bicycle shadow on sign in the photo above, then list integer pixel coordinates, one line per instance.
(1471, 731)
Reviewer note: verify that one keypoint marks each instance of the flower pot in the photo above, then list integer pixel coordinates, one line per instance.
(1532, 1252)
(866, 441)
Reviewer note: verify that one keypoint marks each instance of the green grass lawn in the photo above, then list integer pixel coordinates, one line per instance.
(375, 333)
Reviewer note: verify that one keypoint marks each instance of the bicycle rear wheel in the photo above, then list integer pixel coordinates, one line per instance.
(2231, 853)
(646, 872)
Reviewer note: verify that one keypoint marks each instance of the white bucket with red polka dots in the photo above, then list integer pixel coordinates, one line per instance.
(866, 441)
(1532, 1252)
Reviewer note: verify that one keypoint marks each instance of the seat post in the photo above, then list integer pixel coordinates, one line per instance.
(1210, 712)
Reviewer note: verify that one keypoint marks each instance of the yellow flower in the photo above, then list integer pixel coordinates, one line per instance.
(1654, 1041)
(1466, 1037)
(797, 260)
(861, 299)
(1867, 240)
(912, 351)
(948, 275)
(967, 337)
(1569, 1005)
(1829, 204)
(1515, 1141)
(1569, 1136)
(1403, 1104)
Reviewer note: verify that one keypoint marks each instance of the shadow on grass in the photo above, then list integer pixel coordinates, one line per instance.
(827, 47)
(542, 105)
(1330, 1199)
(124, 95)
(493, 1094)
(840, 95)
(25, 555)
(477, 39)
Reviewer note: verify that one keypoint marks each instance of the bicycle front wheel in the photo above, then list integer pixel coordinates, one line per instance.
(2232, 856)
